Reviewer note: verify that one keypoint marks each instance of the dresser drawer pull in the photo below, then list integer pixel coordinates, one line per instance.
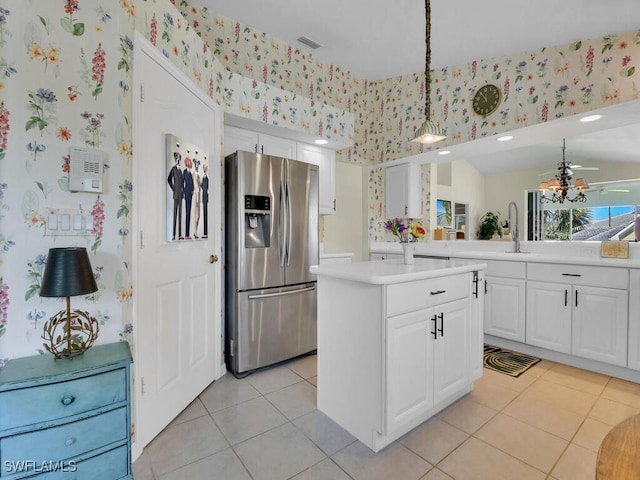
(68, 399)
(438, 292)
(70, 441)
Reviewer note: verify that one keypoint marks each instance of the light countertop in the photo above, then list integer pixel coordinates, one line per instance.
(394, 271)
(574, 253)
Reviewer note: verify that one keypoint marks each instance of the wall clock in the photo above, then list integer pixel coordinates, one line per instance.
(486, 99)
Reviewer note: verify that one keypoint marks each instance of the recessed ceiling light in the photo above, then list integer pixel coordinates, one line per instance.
(444, 152)
(504, 138)
(591, 118)
(321, 141)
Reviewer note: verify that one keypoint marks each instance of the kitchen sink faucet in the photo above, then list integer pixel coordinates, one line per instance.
(513, 227)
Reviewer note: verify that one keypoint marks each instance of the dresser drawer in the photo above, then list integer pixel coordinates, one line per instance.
(43, 403)
(609, 277)
(66, 441)
(111, 465)
(411, 296)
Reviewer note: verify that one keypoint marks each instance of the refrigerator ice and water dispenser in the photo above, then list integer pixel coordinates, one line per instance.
(257, 221)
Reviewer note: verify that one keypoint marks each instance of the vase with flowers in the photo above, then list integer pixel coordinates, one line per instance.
(408, 234)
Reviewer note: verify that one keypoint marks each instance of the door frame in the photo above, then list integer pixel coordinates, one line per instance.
(143, 47)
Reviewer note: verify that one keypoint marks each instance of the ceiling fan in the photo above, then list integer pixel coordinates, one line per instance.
(604, 190)
(569, 171)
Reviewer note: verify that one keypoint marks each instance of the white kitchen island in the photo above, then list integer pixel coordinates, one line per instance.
(396, 343)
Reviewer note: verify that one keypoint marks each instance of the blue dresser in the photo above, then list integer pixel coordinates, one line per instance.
(67, 419)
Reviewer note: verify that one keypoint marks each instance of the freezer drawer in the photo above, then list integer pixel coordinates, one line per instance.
(274, 325)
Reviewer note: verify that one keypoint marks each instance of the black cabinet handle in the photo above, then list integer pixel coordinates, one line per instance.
(485, 287)
(438, 292)
(435, 326)
(571, 275)
(576, 298)
(566, 297)
(475, 281)
(441, 329)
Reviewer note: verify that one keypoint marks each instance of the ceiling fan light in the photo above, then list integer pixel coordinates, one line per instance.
(429, 132)
(543, 186)
(554, 184)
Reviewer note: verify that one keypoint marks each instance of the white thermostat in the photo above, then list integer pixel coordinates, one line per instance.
(85, 170)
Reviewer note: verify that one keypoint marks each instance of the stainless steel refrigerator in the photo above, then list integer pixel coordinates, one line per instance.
(271, 240)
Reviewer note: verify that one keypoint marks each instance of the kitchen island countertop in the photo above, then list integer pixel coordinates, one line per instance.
(391, 271)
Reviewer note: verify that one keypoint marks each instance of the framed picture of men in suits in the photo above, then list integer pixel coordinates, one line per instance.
(187, 190)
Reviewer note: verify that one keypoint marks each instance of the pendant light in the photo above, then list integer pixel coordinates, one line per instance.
(560, 186)
(429, 132)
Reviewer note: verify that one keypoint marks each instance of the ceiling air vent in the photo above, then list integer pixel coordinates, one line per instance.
(309, 43)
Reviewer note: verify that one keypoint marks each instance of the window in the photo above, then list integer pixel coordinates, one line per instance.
(609, 214)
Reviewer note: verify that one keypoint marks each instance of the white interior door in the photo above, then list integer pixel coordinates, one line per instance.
(177, 310)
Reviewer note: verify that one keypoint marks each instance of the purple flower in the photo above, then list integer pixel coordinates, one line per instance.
(46, 95)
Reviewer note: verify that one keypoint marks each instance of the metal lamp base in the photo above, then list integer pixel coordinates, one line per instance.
(70, 334)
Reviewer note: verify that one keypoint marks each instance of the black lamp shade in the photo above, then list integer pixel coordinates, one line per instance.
(67, 273)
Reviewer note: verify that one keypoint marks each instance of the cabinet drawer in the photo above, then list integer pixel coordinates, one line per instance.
(609, 277)
(66, 441)
(410, 296)
(507, 269)
(33, 405)
(110, 465)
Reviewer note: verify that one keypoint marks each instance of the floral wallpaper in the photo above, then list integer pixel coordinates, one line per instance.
(65, 84)
(537, 86)
(67, 69)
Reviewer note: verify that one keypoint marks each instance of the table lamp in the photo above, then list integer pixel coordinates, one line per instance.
(68, 273)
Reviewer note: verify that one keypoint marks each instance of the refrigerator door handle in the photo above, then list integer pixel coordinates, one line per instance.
(289, 223)
(280, 294)
(282, 217)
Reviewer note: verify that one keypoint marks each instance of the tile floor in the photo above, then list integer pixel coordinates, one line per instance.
(547, 424)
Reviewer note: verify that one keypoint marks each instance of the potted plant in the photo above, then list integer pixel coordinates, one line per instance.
(489, 226)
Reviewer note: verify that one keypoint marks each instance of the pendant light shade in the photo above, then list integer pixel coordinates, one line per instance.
(429, 132)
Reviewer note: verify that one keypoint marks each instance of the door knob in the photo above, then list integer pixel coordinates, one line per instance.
(213, 258)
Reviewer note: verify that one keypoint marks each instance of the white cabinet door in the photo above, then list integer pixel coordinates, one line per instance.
(403, 184)
(476, 329)
(634, 320)
(240, 139)
(276, 146)
(600, 324)
(549, 316)
(326, 161)
(409, 367)
(505, 308)
(451, 349)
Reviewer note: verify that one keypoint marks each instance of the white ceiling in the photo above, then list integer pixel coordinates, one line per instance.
(378, 39)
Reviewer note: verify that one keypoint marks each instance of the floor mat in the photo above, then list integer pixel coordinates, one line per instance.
(506, 361)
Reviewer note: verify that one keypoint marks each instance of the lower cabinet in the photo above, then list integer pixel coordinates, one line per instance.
(427, 360)
(576, 317)
(505, 308)
(392, 356)
(634, 320)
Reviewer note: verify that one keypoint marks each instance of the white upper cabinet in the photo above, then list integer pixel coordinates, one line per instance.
(326, 161)
(403, 184)
(241, 139)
